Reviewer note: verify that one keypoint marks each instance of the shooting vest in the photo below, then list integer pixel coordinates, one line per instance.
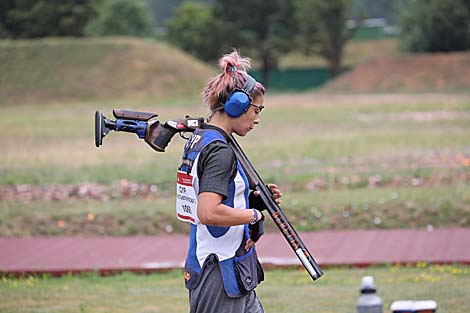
(206, 243)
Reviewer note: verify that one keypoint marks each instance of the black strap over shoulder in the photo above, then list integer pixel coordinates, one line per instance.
(249, 85)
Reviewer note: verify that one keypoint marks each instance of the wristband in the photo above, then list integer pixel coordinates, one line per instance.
(255, 217)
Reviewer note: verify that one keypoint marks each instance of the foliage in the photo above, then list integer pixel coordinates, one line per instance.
(377, 8)
(162, 10)
(266, 31)
(323, 29)
(194, 29)
(435, 25)
(122, 18)
(33, 18)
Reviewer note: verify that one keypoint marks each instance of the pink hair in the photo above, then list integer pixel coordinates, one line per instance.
(234, 72)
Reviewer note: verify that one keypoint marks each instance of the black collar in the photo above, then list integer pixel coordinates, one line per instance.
(220, 130)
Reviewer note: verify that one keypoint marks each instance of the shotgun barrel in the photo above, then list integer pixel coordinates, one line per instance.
(278, 216)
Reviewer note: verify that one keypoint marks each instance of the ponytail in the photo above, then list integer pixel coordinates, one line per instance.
(234, 71)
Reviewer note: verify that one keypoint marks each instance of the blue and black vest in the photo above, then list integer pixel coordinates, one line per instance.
(240, 270)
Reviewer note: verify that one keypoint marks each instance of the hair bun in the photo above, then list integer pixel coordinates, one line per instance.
(234, 72)
(233, 62)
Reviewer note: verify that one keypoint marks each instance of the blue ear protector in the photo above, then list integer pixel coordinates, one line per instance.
(239, 100)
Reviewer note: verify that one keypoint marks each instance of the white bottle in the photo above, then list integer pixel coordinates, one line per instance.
(369, 301)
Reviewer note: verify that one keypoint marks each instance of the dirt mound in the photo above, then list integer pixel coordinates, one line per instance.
(53, 70)
(443, 72)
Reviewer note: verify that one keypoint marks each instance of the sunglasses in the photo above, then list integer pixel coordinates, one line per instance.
(259, 108)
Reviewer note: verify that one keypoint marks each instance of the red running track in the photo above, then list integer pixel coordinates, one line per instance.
(61, 255)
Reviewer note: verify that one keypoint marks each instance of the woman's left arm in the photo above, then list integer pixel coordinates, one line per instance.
(211, 211)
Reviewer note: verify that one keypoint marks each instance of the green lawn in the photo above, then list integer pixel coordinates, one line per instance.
(44, 144)
(289, 291)
(341, 164)
(359, 208)
(346, 162)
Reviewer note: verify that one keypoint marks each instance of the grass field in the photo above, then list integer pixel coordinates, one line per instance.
(355, 52)
(342, 162)
(284, 291)
(80, 69)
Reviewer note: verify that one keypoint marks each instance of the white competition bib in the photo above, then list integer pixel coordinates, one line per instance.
(186, 198)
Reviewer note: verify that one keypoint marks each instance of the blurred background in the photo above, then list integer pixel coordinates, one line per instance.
(366, 126)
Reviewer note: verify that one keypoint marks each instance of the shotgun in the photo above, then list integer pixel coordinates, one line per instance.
(278, 216)
(158, 136)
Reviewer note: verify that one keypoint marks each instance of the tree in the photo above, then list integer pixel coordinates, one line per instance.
(194, 29)
(263, 28)
(374, 8)
(121, 18)
(41, 18)
(435, 25)
(323, 29)
(162, 10)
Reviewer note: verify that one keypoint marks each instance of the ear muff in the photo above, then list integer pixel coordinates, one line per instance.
(239, 100)
(237, 104)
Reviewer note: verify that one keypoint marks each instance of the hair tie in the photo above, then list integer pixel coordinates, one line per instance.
(234, 68)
